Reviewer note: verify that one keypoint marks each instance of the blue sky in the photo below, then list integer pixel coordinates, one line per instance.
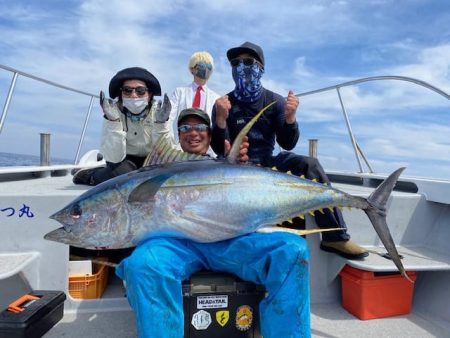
(307, 45)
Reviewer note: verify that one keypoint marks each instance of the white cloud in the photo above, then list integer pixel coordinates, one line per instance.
(433, 66)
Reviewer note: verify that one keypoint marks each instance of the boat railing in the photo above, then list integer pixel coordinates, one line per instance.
(359, 154)
(357, 149)
(16, 73)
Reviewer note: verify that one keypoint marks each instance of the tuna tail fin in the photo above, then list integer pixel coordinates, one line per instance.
(376, 211)
(233, 155)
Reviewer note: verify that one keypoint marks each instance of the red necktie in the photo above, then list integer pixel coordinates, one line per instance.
(196, 103)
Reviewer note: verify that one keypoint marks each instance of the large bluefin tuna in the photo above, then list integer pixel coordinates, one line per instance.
(205, 201)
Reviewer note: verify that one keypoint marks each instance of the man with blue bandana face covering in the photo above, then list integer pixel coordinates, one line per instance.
(232, 112)
(248, 81)
(201, 66)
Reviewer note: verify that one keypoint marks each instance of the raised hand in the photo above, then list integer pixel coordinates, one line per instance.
(109, 107)
(163, 110)
(291, 106)
(223, 106)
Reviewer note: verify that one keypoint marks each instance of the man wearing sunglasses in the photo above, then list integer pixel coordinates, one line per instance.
(232, 112)
(157, 267)
(194, 131)
(132, 124)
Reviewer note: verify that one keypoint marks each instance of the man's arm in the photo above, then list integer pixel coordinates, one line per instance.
(162, 125)
(113, 141)
(219, 132)
(287, 130)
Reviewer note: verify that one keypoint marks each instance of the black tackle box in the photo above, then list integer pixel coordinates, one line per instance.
(221, 305)
(32, 315)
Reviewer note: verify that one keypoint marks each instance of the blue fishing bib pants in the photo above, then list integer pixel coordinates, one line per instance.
(157, 267)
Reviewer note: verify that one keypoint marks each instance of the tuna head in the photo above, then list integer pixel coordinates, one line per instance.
(98, 219)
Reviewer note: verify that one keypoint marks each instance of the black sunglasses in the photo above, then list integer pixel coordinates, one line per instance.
(140, 91)
(246, 61)
(185, 128)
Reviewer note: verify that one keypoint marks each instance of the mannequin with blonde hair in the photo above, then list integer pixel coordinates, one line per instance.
(201, 66)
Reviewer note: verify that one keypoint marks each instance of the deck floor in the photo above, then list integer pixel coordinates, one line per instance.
(328, 321)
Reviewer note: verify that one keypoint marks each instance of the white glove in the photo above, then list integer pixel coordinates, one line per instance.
(109, 107)
(163, 110)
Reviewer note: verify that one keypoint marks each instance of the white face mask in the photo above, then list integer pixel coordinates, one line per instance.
(135, 106)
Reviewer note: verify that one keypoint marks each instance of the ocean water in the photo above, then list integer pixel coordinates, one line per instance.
(10, 159)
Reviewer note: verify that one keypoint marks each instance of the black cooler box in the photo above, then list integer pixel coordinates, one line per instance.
(33, 315)
(221, 305)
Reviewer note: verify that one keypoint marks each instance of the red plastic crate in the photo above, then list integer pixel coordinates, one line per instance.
(370, 295)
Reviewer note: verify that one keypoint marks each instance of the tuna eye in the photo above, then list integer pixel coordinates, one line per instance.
(75, 212)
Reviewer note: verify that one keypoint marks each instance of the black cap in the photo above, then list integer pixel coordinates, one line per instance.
(249, 48)
(196, 112)
(134, 73)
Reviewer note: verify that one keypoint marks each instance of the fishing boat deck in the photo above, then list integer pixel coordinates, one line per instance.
(111, 315)
(327, 321)
(43, 186)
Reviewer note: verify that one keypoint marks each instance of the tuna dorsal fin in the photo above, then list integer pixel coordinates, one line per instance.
(165, 152)
(233, 155)
(145, 191)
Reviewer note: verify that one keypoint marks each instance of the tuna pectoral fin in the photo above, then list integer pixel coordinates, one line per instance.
(376, 211)
(300, 232)
(145, 191)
